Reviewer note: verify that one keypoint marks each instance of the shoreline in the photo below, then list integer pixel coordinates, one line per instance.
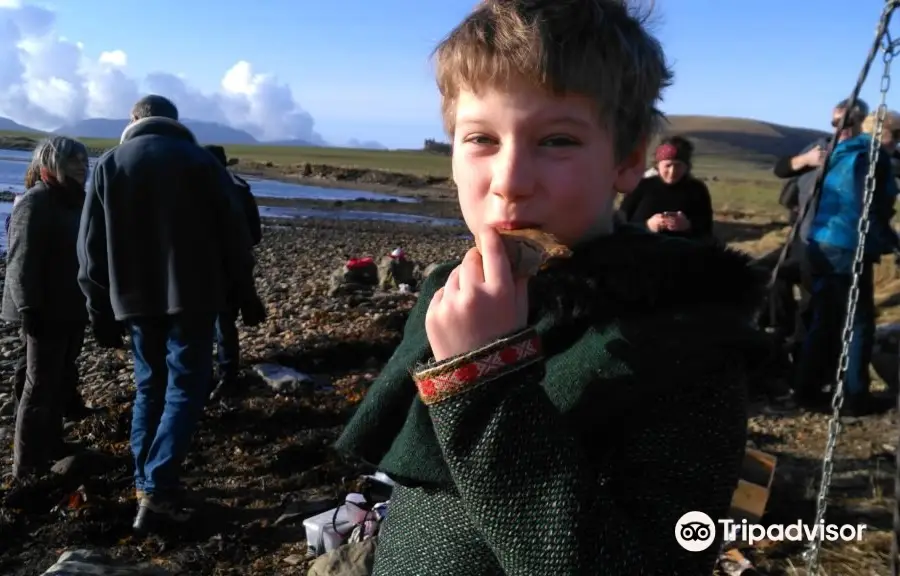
(328, 176)
(426, 207)
(308, 174)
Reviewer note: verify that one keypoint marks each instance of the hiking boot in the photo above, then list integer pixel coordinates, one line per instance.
(157, 514)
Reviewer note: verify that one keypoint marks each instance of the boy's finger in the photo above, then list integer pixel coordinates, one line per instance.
(470, 271)
(495, 263)
(451, 286)
(438, 296)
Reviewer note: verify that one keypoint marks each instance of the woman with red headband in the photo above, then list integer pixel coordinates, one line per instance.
(672, 202)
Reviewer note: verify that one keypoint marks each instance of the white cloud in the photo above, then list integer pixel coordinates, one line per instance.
(47, 81)
(114, 58)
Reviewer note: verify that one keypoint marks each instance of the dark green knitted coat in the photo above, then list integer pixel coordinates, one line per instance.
(574, 446)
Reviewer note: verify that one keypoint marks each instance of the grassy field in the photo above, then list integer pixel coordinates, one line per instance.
(738, 183)
(405, 161)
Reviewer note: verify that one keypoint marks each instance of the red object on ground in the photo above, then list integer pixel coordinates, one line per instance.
(355, 263)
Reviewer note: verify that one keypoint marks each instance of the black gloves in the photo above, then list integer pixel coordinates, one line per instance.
(253, 311)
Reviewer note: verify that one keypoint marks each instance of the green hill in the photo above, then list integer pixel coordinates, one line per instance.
(741, 137)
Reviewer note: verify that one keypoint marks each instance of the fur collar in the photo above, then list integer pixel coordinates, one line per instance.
(157, 125)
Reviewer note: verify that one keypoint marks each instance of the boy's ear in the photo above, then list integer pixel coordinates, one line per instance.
(631, 170)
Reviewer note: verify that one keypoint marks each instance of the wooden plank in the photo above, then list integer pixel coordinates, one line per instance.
(758, 468)
(749, 501)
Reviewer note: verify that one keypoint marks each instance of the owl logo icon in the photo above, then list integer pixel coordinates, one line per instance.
(695, 531)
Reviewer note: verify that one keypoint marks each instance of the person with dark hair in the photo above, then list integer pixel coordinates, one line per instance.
(228, 348)
(41, 292)
(672, 202)
(161, 247)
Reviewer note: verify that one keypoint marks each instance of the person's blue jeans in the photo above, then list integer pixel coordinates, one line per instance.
(228, 350)
(172, 370)
(829, 275)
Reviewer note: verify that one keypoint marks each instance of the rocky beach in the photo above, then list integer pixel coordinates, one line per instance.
(262, 458)
(258, 454)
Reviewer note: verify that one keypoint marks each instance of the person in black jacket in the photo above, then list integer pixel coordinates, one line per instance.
(227, 345)
(161, 247)
(74, 407)
(41, 291)
(673, 202)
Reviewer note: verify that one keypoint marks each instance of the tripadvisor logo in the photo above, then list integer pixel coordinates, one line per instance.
(696, 531)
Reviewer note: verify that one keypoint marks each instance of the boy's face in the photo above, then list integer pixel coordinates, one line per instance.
(526, 159)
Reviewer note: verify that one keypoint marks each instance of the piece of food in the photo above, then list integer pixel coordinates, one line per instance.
(529, 250)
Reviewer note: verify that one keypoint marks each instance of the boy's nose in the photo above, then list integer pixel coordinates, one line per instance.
(512, 173)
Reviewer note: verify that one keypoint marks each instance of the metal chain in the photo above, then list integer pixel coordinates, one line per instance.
(837, 401)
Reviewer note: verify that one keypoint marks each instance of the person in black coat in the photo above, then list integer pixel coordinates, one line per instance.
(74, 407)
(227, 345)
(41, 292)
(162, 249)
(672, 202)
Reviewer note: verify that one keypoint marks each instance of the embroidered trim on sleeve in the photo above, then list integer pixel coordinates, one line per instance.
(456, 375)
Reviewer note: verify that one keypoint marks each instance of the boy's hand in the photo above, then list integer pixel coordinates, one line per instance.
(480, 303)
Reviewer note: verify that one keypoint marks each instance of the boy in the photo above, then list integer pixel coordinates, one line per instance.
(562, 424)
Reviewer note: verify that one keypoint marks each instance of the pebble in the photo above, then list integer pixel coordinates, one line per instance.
(294, 559)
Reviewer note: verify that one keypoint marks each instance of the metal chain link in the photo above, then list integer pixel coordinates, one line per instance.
(837, 401)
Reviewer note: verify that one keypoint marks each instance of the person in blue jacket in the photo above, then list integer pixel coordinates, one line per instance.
(830, 234)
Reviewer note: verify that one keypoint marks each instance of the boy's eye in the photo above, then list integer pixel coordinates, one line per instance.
(481, 139)
(558, 141)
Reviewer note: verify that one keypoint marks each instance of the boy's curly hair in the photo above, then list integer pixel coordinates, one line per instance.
(595, 48)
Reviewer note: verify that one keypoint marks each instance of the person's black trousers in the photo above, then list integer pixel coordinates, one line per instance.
(73, 400)
(51, 355)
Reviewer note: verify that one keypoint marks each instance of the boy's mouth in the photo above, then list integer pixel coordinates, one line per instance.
(515, 225)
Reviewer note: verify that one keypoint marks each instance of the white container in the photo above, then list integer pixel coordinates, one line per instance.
(354, 508)
(321, 536)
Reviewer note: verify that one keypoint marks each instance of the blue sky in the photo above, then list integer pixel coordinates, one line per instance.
(361, 68)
